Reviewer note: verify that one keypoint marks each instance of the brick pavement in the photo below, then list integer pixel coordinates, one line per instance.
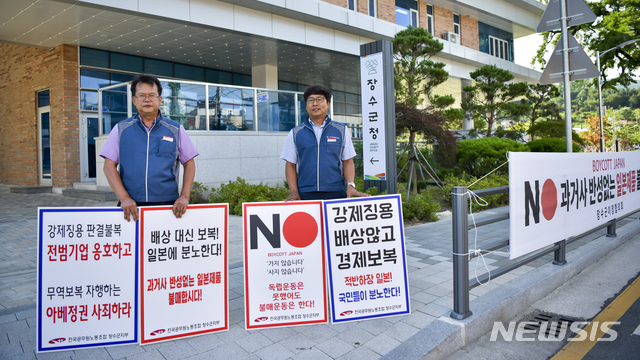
(429, 262)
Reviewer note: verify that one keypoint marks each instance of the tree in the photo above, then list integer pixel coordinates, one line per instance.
(492, 97)
(629, 135)
(539, 99)
(431, 125)
(416, 76)
(618, 21)
(554, 129)
(592, 136)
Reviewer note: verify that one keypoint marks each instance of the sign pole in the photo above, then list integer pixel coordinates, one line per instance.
(565, 75)
(375, 152)
(576, 65)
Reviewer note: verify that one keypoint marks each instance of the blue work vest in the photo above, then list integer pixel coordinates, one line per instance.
(320, 170)
(149, 165)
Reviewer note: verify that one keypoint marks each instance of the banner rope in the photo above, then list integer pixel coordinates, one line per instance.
(475, 250)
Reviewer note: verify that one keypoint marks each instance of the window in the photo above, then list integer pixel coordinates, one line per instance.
(372, 8)
(407, 13)
(93, 57)
(126, 62)
(499, 48)
(430, 19)
(135, 64)
(456, 24)
(495, 41)
(44, 135)
(189, 72)
(158, 67)
(352, 5)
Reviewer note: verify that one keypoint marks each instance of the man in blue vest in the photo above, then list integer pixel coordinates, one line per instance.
(323, 151)
(149, 149)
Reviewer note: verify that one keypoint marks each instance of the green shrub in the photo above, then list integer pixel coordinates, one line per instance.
(477, 157)
(373, 191)
(198, 193)
(419, 207)
(239, 192)
(551, 145)
(491, 181)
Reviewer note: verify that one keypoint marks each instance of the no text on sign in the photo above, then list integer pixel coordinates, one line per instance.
(578, 12)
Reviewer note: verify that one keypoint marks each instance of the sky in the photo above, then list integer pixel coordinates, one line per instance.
(527, 46)
(525, 49)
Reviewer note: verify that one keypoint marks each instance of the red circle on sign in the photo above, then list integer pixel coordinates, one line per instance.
(300, 229)
(549, 199)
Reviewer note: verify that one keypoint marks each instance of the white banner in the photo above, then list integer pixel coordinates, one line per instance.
(373, 120)
(553, 196)
(184, 278)
(284, 264)
(87, 279)
(366, 257)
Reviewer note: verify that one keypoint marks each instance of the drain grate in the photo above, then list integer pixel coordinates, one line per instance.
(554, 325)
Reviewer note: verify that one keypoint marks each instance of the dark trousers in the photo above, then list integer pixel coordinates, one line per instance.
(157, 203)
(323, 195)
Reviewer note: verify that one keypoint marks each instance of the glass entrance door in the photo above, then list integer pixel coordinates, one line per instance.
(88, 133)
(44, 138)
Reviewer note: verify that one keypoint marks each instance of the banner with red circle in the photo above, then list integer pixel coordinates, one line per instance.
(284, 264)
(574, 192)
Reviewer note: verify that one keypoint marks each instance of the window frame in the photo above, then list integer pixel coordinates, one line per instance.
(499, 48)
(430, 23)
(414, 17)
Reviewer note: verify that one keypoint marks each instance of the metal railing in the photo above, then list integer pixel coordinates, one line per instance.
(461, 256)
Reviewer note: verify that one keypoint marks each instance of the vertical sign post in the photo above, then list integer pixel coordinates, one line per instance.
(575, 64)
(378, 116)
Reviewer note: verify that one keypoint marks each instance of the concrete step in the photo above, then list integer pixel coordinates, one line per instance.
(85, 186)
(30, 189)
(98, 195)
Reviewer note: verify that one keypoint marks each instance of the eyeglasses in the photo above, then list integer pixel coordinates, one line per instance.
(151, 97)
(318, 100)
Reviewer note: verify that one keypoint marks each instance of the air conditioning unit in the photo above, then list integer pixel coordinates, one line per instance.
(451, 36)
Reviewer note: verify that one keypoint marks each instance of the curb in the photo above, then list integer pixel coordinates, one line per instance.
(446, 335)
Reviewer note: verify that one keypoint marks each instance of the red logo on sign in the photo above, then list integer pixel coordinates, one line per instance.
(157, 332)
(534, 200)
(300, 229)
(261, 319)
(549, 199)
(346, 313)
(57, 341)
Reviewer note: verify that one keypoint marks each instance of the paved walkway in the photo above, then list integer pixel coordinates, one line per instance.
(427, 330)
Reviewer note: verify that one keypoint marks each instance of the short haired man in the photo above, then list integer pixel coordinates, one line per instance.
(149, 149)
(323, 151)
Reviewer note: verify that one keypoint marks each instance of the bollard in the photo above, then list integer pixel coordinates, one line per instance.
(460, 205)
(611, 229)
(560, 255)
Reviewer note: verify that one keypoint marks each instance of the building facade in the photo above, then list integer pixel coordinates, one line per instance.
(234, 70)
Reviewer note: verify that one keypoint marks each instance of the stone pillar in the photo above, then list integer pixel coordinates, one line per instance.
(264, 76)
